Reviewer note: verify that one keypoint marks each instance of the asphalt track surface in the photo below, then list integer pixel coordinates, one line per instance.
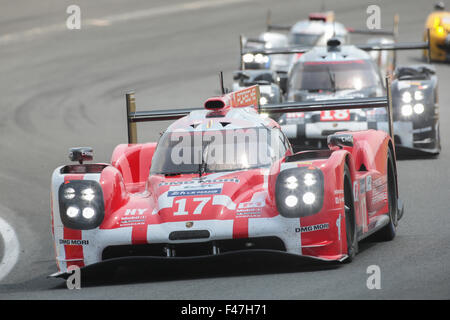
(61, 88)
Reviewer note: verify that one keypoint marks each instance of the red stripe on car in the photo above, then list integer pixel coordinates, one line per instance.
(73, 252)
(240, 228)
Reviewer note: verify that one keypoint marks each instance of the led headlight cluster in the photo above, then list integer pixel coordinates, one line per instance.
(81, 204)
(299, 192)
(257, 58)
(411, 103)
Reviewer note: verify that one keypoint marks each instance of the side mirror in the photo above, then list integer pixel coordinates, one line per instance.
(81, 154)
(340, 140)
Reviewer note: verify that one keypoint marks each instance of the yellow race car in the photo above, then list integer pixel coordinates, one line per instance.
(438, 24)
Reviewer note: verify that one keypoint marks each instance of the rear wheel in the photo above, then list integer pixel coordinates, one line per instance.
(350, 223)
(388, 232)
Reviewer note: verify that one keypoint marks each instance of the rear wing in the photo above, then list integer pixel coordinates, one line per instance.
(329, 17)
(248, 97)
(337, 104)
(366, 47)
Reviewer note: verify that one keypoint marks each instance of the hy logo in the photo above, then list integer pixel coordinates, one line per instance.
(132, 212)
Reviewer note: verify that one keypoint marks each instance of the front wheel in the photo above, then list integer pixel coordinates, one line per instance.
(389, 231)
(350, 223)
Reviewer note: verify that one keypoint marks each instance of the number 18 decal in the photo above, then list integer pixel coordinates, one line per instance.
(335, 115)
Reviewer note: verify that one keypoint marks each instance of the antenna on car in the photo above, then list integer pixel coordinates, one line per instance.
(222, 88)
(241, 50)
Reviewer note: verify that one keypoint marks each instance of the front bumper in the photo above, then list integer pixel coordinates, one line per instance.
(230, 260)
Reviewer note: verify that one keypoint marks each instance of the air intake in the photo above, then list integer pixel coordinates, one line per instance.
(214, 104)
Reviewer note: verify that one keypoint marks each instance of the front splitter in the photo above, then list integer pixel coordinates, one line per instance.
(231, 260)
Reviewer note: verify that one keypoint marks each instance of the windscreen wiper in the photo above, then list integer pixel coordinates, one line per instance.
(204, 162)
(332, 79)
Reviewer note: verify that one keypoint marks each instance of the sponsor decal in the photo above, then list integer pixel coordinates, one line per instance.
(246, 97)
(131, 221)
(198, 181)
(355, 191)
(73, 242)
(197, 192)
(362, 186)
(304, 163)
(316, 227)
(379, 197)
(369, 183)
(339, 200)
(254, 204)
(339, 196)
(379, 182)
(132, 212)
(248, 211)
(294, 115)
(338, 225)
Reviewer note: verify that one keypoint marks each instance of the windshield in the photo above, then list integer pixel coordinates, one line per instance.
(305, 38)
(332, 76)
(218, 150)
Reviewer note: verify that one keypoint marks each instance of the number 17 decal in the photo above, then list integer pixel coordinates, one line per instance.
(198, 209)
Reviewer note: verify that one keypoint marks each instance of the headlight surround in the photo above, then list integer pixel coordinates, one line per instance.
(299, 192)
(81, 204)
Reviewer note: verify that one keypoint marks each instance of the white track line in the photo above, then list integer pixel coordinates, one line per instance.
(123, 17)
(11, 249)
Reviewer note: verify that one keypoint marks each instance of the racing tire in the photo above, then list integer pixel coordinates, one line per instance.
(388, 232)
(350, 222)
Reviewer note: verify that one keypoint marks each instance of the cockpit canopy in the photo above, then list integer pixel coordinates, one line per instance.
(316, 76)
(182, 152)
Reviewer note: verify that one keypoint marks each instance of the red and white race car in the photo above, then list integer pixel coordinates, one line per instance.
(223, 180)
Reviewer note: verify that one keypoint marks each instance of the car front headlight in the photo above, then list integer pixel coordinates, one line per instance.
(248, 58)
(407, 110)
(419, 108)
(299, 192)
(263, 101)
(418, 95)
(81, 204)
(406, 97)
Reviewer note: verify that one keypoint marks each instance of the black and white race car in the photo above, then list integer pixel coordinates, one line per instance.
(323, 73)
(339, 72)
(268, 81)
(415, 105)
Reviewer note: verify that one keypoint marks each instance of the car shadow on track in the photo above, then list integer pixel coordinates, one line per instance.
(135, 271)
(417, 157)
